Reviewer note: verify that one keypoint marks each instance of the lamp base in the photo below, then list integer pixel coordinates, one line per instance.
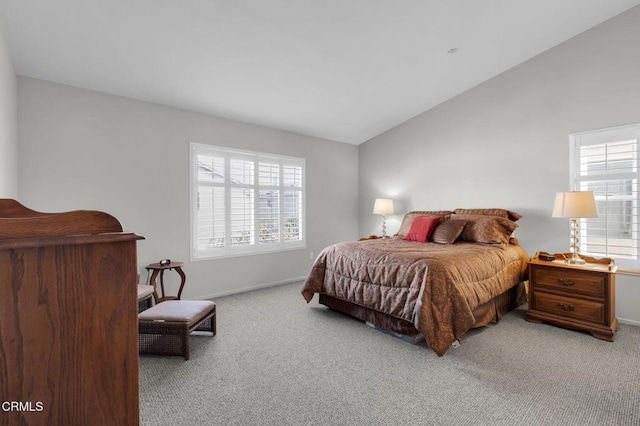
(576, 260)
(575, 244)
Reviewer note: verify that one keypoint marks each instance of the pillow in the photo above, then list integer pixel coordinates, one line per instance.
(448, 231)
(405, 226)
(485, 229)
(507, 214)
(421, 228)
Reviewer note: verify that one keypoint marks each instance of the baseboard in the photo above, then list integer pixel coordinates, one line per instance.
(245, 289)
(629, 322)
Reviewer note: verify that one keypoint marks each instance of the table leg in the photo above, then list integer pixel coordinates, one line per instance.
(152, 281)
(183, 278)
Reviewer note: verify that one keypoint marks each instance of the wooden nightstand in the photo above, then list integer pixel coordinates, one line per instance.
(580, 297)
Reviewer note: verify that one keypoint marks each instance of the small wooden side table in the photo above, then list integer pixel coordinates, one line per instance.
(159, 269)
(580, 297)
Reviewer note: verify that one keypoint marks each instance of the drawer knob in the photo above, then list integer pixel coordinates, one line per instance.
(566, 307)
(566, 283)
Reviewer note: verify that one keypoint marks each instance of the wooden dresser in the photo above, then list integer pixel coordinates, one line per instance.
(68, 319)
(580, 297)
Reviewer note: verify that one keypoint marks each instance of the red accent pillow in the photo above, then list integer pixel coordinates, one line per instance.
(421, 228)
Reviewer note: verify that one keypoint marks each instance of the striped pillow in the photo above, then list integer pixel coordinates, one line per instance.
(448, 231)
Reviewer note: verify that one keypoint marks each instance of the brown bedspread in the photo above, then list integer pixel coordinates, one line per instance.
(435, 286)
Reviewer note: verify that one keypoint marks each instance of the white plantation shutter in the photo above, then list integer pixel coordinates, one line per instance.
(241, 223)
(269, 208)
(245, 202)
(292, 215)
(606, 162)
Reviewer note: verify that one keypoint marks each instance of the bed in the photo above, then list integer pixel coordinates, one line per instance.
(466, 272)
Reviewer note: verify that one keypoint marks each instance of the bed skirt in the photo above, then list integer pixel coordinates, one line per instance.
(489, 312)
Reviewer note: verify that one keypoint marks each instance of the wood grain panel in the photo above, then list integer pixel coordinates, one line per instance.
(68, 329)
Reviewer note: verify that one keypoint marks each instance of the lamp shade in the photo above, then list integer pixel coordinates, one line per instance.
(575, 204)
(383, 206)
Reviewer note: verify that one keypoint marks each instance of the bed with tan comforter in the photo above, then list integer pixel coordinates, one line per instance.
(436, 287)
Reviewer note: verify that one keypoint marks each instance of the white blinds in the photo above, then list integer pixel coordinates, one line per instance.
(606, 162)
(245, 202)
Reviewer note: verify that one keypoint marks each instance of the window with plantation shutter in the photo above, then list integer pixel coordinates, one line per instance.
(606, 162)
(245, 202)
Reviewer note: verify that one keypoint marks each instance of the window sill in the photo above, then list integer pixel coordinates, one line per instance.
(250, 253)
(629, 271)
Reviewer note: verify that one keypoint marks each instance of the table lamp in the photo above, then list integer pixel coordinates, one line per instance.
(383, 206)
(575, 205)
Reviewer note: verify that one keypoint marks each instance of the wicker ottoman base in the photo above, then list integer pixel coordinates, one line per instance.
(145, 296)
(164, 329)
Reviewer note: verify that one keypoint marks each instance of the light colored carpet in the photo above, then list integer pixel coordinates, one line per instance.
(278, 361)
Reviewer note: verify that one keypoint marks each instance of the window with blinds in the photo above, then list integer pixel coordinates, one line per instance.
(245, 202)
(606, 162)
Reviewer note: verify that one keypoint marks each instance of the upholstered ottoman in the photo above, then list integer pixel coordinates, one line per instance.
(164, 328)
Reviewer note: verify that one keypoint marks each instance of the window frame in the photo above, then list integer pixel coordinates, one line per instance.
(255, 247)
(598, 137)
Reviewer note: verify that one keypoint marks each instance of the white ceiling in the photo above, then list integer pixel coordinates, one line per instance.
(345, 70)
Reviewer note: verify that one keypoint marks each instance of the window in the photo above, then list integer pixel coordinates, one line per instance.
(606, 162)
(245, 202)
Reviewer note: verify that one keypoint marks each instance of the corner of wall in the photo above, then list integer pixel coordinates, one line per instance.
(8, 123)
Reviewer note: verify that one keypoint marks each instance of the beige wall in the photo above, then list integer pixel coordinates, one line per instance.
(88, 150)
(505, 143)
(8, 125)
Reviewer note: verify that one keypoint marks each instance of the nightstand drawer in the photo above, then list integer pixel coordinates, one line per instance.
(569, 307)
(570, 281)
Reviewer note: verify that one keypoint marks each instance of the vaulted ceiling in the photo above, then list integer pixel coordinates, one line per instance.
(345, 70)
